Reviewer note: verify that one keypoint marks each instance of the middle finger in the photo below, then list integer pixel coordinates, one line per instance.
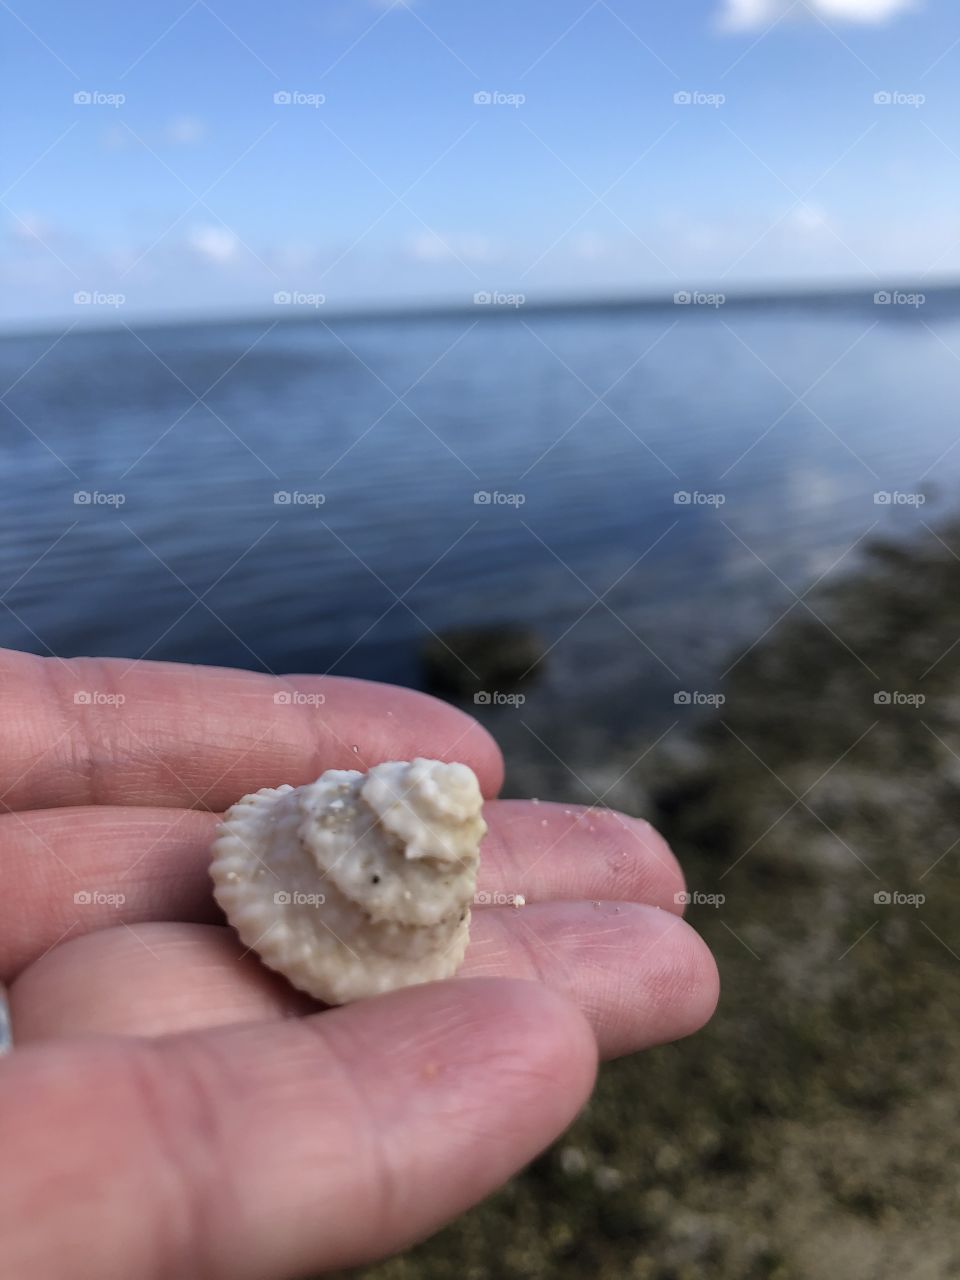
(69, 872)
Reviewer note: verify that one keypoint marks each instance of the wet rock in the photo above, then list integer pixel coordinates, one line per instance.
(481, 660)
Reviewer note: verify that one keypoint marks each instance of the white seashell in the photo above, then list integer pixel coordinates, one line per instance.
(357, 883)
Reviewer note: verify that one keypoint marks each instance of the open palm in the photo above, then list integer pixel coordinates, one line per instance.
(172, 1108)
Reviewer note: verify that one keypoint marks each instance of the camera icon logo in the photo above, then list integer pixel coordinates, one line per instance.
(483, 98)
(281, 498)
(482, 498)
(883, 98)
(282, 298)
(83, 898)
(283, 98)
(683, 98)
(681, 698)
(483, 298)
(882, 298)
(482, 698)
(82, 698)
(683, 898)
(82, 498)
(282, 699)
(682, 498)
(882, 498)
(83, 98)
(682, 298)
(282, 898)
(82, 298)
(882, 699)
(882, 898)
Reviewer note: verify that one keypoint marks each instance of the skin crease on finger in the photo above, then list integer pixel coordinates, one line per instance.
(278, 1150)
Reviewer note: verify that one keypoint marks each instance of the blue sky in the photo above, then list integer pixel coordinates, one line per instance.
(183, 187)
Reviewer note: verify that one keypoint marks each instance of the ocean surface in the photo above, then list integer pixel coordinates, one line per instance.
(650, 488)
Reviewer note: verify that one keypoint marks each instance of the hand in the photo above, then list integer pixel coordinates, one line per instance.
(174, 1109)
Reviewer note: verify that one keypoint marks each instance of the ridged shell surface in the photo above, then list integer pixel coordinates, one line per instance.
(357, 883)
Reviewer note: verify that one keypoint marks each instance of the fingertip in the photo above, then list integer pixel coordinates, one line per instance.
(690, 987)
(706, 986)
(651, 853)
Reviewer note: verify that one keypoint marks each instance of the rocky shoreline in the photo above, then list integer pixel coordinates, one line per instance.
(812, 1129)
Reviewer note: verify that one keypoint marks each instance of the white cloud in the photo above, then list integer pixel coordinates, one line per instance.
(218, 244)
(807, 219)
(431, 246)
(115, 138)
(31, 227)
(589, 246)
(863, 10)
(747, 15)
(184, 131)
(742, 15)
(181, 131)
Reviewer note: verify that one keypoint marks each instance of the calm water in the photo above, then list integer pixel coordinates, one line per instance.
(382, 431)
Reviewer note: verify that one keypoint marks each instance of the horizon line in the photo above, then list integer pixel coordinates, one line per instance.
(502, 304)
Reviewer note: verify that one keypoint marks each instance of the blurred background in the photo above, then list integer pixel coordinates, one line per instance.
(594, 365)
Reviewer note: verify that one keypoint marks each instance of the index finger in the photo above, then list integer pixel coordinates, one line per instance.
(108, 731)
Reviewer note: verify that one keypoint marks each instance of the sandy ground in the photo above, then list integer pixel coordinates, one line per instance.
(813, 1130)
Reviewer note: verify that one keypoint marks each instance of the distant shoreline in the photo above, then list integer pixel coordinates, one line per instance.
(786, 297)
